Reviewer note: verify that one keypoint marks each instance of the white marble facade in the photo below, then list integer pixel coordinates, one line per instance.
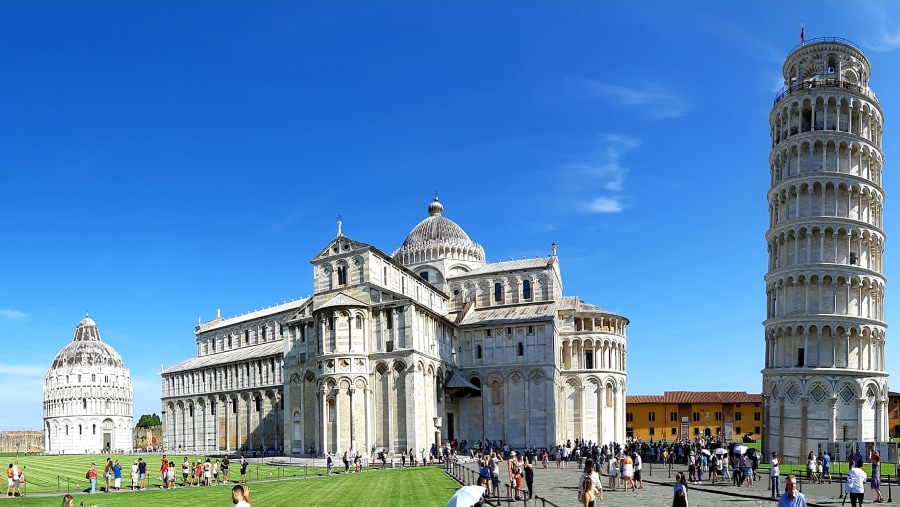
(387, 343)
(88, 397)
(824, 378)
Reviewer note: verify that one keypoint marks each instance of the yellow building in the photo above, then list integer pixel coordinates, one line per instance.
(894, 413)
(690, 414)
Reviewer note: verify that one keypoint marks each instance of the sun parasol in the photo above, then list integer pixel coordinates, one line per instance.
(466, 496)
(720, 450)
(705, 451)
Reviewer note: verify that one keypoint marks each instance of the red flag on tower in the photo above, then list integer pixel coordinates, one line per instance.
(802, 36)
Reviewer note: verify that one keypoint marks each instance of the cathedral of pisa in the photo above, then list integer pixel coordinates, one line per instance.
(398, 351)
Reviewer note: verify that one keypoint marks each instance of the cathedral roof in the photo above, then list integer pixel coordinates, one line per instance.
(573, 303)
(87, 350)
(510, 315)
(511, 265)
(271, 348)
(439, 232)
(341, 300)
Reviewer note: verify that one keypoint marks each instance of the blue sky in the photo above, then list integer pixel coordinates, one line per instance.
(160, 161)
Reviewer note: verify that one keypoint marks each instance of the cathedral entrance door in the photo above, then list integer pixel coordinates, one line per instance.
(107, 441)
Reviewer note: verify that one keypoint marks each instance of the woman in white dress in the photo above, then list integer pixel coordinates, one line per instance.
(612, 470)
(628, 473)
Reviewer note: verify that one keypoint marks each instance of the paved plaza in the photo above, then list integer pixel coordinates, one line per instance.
(560, 487)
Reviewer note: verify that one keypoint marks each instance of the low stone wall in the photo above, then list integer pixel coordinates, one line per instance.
(147, 438)
(22, 441)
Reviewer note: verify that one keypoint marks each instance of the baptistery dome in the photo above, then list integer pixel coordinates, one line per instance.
(88, 396)
(87, 349)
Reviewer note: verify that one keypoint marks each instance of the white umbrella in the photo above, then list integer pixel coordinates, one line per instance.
(740, 449)
(720, 450)
(466, 496)
(705, 451)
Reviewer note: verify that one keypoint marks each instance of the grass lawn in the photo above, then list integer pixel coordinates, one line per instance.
(52, 474)
(420, 487)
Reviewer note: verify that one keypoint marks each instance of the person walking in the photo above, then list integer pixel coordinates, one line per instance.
(586, 493)
(856, 483)
(876, 477)
(774, 476)
(791, 497)
(679, 491)
(92, 478)
(811, 468)
(117, 475)
(244, 469)
(529, 478)
(107, 473)
(142, 472)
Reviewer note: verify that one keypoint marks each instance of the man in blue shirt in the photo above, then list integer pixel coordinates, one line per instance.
(142, 472)
(791, 497)
(826, 467)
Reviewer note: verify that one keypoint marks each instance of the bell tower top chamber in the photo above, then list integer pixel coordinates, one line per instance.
(825, 329)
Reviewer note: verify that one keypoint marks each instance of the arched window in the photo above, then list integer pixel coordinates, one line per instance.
(520, 349)
(93, 378)
(498, 292)
(93, 429)
(495, 393)
(84, 403)
(359, 322)
(264, 333)
(609, 395)
(79, 429)
(342, 275)
(246, 336)
(478, 352)
(526, 289)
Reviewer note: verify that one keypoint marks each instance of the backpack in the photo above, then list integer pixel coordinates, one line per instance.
(87, 475)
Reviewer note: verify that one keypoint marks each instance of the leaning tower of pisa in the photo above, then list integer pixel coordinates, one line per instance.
(824, 378)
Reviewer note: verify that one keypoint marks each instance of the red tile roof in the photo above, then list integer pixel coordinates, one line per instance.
(675, 397)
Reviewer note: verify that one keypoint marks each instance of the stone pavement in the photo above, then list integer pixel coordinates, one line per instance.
(560, 487)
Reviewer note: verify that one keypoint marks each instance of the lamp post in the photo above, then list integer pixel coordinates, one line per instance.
(437, 432)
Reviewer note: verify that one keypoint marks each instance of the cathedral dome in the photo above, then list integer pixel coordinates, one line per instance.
(438, 236)
(86, 350)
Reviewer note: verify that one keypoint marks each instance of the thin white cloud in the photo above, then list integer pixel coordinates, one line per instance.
(603, 205)
(606, 173)
(884, 36)
(12, 314)
(655, 100)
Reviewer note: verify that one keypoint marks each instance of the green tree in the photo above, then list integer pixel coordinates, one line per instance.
(148, 421)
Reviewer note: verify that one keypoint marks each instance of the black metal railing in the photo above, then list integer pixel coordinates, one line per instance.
(502, 494)
(825, 83)
(818, 40)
